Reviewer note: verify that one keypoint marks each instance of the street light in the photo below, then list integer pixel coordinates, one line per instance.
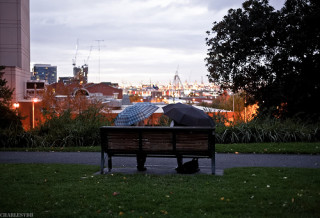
(16, 106)
(34, 100)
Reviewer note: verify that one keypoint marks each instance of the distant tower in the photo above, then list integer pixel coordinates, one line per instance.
(80, 74)
(177, 86)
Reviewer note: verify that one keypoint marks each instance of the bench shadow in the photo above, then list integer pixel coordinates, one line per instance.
(157, 170)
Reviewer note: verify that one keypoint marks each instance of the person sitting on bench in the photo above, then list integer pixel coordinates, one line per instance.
(141, 157)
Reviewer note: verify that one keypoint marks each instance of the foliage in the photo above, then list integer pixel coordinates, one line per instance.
(164, 120)
(273, 56)
(220, 119)
(223, 101)
(8, 117)
(10, 121)
(15, 136)
(48, 190)
(49, 104)
(235, 103)
(135, 98)
(64, 130)
(69, 121)
(59, 131)
(52, 106)
(5, 91)
(269, 130)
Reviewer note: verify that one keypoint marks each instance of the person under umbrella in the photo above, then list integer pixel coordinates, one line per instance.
(135, 113)
(187, 115)
(134, 116)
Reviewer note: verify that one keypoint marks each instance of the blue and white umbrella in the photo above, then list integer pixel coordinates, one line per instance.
(135, 113)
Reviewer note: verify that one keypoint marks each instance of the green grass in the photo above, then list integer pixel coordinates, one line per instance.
(271, 148)
(52, 190)
(259, 148)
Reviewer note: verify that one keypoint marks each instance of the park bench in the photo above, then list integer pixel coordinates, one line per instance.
(157, 141)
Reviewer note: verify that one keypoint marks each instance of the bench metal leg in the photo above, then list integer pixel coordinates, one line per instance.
(102, 162)
(109, 163)
(179, 160)
(213, 165)
(141, 160)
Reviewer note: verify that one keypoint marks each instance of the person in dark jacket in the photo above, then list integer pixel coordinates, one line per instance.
(141, 157)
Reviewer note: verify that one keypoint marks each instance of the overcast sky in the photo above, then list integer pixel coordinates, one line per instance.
(143, 40)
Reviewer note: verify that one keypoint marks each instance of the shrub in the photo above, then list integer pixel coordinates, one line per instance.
(11, 131)
(63, 131)
(268, 130)
(164, 120)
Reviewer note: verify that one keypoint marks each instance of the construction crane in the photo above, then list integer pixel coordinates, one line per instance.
(74, 60)
(86, 61)
(99, 40)
(85, 68)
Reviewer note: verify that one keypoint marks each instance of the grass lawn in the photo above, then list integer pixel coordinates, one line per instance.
(53, 190)
(258, 148)
(271, 148)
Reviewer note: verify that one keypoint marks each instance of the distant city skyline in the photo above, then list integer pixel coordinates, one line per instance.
(140, 41)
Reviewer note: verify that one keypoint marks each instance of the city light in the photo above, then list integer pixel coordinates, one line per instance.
(34, 100)
(16, 105)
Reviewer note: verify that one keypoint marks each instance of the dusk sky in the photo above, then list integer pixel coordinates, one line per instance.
(143, 40)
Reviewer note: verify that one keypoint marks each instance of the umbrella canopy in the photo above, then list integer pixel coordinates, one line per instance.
(187, 115)
(135, 113)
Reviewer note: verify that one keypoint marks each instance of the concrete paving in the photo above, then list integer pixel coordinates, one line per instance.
(162, 166)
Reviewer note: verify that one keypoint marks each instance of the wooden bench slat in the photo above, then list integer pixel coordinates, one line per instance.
(157, 141)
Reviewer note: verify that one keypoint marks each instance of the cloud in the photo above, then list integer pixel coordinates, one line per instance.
(141, 37)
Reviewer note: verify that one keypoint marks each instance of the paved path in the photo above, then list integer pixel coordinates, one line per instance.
(164, 165)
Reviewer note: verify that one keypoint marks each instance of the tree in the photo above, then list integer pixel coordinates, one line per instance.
(49, 105)
(273, 56)
(5, 91)
(72, 103)
(8, 117)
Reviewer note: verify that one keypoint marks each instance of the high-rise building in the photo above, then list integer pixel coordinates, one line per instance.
(45, 72)
(80, 74)
(15, 44)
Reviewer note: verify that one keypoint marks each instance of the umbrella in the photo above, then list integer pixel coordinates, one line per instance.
(135, 113)
(188, 115)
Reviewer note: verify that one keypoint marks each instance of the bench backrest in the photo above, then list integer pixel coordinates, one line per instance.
(157, 140)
